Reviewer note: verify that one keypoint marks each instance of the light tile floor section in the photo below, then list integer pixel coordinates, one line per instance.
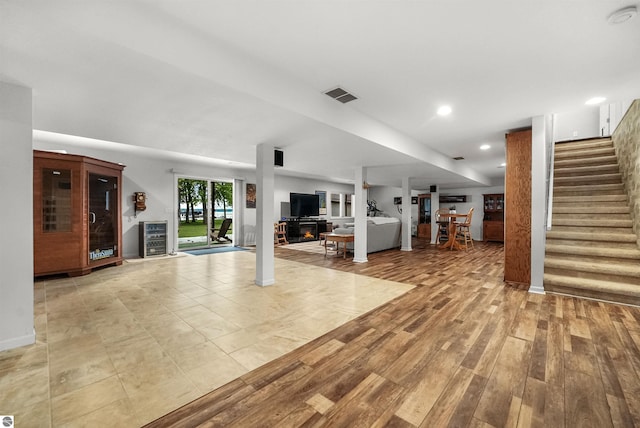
(125, 345)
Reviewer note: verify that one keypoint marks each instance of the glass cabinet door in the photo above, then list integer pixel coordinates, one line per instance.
(56, 200)
(489, 203)
(424, 209)
(103, 211)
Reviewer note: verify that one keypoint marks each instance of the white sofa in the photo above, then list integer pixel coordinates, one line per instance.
(383, 233)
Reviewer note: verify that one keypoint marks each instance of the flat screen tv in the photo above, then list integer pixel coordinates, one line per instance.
(304, 205)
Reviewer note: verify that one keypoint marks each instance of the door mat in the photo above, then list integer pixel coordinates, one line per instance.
(204, 251)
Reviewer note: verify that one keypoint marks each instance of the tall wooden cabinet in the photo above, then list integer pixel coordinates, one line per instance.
(424, 216)
(517, 214)
(76, 213)
(493, 222)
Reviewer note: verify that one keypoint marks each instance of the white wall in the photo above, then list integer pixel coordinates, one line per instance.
(579, 124)
(384, 198)
(538, 200)
(383, 195)
(611, 115)
(285, 185)
(156, 176)
(16, 218)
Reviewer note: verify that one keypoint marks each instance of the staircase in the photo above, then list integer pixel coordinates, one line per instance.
(591, 250)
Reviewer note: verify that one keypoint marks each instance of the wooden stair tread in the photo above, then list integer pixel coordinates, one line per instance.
(580, 179)
(592, 229)
(613, 252)
(602, 216)
(592, 222)
(592, 236)
(586, 170)
(591, 143)
(574, 199)
(596, 160)
(593, 284)
(589, 187)
(595, 209)
(610, 268)
(604, 245)
(585, 152)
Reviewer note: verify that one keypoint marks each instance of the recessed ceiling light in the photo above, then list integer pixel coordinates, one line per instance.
(595, 100)
(485, 147)
(444, 111)
(622, 15)
(502, 165)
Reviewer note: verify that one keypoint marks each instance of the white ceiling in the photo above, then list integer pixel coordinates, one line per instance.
(216, 78)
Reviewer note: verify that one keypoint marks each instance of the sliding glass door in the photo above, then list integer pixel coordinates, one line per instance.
(203, 206)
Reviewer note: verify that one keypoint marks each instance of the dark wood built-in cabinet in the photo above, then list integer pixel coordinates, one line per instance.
(493, 223)
(76, 213)
(424, 216)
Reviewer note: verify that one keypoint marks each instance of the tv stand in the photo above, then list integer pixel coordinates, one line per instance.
(305, 229)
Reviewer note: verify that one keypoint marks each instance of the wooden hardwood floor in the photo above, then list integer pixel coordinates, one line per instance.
(461, 349)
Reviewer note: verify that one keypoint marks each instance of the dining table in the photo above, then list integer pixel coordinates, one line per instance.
(452, 243)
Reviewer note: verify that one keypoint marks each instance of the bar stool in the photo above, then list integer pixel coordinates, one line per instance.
(443, 226)
(463, 230)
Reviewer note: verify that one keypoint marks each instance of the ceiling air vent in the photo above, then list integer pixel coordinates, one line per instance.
(458, 158)
(341, 95)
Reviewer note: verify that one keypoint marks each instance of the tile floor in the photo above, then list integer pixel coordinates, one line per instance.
(125, 345)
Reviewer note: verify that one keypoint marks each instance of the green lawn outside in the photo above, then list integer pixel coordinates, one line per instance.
(199, 228)
(188, 230)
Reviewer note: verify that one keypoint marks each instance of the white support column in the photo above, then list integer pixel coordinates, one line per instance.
(538, 196)
(343, 205)
(264, 215)
(16, 251)
(238, 213)
(406, 214)
(360, 244)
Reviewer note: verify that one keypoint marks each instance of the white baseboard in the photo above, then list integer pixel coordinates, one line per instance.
(536, 289)
(16, 342)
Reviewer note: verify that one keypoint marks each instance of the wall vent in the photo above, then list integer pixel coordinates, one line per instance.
(458, 158)
(341, 95)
